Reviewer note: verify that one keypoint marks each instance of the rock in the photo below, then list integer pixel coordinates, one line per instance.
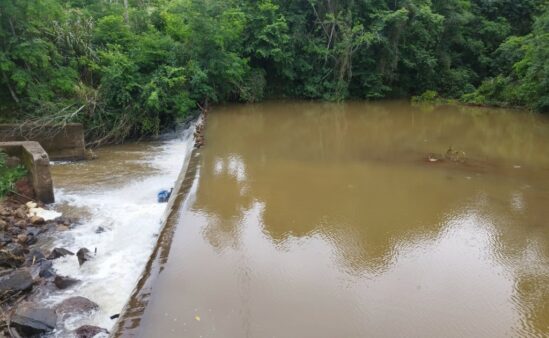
(59, 252)
(89, 331)
(3, 224)
(9, 260)
(21, 223)
(37, 220)
(42, 268)
(18, 280)
(62, 228)
(16, 249)
(63, 221)
(83, 255)
(31, 205)
(21, 213)
(63, 282)
(22, 238)
(46, 269)
(34, 256)
(5, 238)
(99, 230)
(31, 239)
(5, 211)
(75, 305)
(32, 235)
(34, 231)
(30, 320)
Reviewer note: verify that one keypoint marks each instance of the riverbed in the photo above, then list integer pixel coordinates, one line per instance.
(360, 220)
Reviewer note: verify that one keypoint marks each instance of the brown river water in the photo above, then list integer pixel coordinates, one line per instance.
(329, 220)
(346, 220)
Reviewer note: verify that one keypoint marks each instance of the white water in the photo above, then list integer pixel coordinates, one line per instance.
(131, 217)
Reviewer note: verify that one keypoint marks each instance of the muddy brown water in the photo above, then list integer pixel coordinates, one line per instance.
(329, 220)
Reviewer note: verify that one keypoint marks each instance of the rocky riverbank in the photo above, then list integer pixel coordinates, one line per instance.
(26, 272)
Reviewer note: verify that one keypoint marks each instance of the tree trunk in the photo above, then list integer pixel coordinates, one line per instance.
(12, 92)
(126, 15)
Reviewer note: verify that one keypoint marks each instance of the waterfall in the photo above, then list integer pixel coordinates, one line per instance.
(120, 222)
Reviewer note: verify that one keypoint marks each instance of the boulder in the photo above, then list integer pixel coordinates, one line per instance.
(75, 305)
(42, 268)
(63, 282)
(30, 320)
(89, 331)
(83, 255)
(59, 252)
(18, 280)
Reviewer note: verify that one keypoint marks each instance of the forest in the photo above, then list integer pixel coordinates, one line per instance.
(127, 68)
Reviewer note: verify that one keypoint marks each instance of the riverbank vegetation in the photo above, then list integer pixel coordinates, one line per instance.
(9, 174)
(127, 68)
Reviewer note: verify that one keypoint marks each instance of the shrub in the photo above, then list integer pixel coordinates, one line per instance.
(9, 176)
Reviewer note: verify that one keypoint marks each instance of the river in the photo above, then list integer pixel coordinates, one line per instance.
(350, 220)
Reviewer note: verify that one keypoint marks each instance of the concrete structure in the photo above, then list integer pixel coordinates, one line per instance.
(36, 160)
(65, 144)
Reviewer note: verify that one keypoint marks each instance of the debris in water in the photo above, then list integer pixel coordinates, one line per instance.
(433, 158)
(455, 155)
(164, 195)
(197, 318)
(46, 215)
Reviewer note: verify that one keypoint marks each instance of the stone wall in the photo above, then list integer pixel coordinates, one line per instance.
(66, 144)
(36, 160)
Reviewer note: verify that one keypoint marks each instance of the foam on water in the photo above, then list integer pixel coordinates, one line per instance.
(131, 218)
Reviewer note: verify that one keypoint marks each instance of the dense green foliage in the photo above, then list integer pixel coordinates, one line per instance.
(132, 67)
(9, 176)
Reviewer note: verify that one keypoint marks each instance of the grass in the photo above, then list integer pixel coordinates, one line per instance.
(9, 176)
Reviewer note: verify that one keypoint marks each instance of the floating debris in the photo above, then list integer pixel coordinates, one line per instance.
(164, 195)
(455, 155)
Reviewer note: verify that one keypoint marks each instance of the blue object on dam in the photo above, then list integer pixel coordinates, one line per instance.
(164, 195)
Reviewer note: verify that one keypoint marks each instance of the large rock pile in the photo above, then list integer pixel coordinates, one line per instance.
(26, 268)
